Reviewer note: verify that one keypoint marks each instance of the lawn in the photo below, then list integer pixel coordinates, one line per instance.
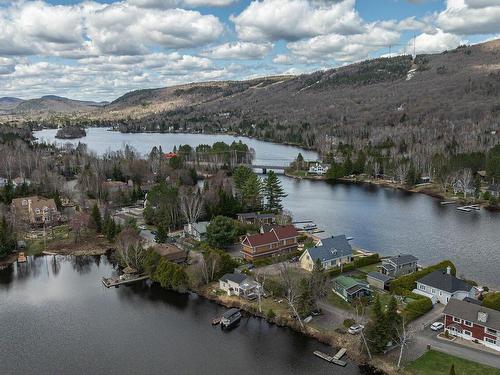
(437, 363)
(369, 268)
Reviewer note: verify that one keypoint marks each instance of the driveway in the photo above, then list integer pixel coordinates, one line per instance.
(427, 319)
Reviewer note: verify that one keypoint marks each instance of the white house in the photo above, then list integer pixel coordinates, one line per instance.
(238, 284)
(441, 286)
(196, 230)
(318, 169)
(330, 252)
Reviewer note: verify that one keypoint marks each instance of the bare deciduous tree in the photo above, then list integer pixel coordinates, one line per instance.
(191, 205)
(291, 287)
(129, 248)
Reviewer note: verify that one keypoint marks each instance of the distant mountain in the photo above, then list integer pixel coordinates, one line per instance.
(8, 102)
(49, 104)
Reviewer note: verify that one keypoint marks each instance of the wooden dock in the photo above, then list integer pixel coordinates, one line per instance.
(116, 281)
(21, 258)
(333, 359)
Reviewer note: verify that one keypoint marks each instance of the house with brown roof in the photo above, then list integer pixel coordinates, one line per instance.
(172, 252)
(277, 241)
(35, 210)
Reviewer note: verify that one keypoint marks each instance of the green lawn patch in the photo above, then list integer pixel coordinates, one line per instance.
(370, 268)
(437, 363)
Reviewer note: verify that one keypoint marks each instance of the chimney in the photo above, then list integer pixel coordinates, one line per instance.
(448, 270)
(482, 316)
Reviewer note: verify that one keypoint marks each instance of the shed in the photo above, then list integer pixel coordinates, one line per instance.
(378, 280)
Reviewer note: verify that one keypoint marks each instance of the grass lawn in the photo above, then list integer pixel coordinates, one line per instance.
(335, 300)
(437, 363)
(369, 268)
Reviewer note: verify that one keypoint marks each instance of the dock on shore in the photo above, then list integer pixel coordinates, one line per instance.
(336, 359)
(109, 282)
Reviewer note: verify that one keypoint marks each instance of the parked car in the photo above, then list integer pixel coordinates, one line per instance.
(316, 312)
(142, 227)
(355, 329)
(437, 326)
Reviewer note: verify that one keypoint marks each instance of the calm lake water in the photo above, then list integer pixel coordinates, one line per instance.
(57, 318)
(101, 140)
(385, 220)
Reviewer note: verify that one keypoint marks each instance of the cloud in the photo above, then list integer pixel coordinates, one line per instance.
(164, 4)
(239, 51)
(283, 60)
(291, 20)
(435, 43)
(92, 29)
(345, 48)
(470, 17)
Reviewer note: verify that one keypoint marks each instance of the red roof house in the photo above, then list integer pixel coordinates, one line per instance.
(169, 155)
(279, 240)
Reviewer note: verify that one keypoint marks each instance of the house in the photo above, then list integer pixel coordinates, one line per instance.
(117, 186)
(3, 182)
(169, 155)
(279, 240)
(378, 280)
(399, 265)
(494, 190)
(198, 231)
(239, 284)
(441, 286)
(18, 181)
(471, 321)
(318, 169)
(349, 288)
(330, 252)
(35, 210)
(172, 252)
(256, 218)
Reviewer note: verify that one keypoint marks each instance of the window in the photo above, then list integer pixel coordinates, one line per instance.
(491, 341)
(433, 291)
(491, 331)
(467, 333)
(457, 320)
(421, 287)
(440, 293)
(467, 323)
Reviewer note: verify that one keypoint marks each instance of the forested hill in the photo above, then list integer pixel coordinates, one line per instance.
(415, 108)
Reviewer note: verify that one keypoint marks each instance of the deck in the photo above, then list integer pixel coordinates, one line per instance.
(333, 359)
(109, 282)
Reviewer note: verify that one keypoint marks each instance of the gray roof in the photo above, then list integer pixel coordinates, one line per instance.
(469, 311)
(234, 277)
(332, 248)
(201, 226)
(379, 276)
(402, 259)
(254, 215)
(441, 280)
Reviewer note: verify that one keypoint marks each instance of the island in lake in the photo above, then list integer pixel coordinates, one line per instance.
(71, 132)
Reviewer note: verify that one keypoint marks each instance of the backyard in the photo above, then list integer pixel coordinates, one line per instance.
(437, 363)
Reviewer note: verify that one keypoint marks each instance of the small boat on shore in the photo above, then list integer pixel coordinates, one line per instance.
(230, 318)
(216, 320)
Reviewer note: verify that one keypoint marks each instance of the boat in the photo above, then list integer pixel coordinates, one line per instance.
(230, 318)
(21, 258)
(465, 209)
(216, 320)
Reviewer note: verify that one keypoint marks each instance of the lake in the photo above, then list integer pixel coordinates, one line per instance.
(101, 140)
(57, 318)
(381, 219)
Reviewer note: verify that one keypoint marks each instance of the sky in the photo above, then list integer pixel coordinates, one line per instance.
(92, 50)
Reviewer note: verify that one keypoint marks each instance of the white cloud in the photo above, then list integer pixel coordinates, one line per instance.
(239, 51)
(270, 20)
(345, 48)
(283, 60)
(164, 4)
(92, 29)
(434, 43)
(470, 17)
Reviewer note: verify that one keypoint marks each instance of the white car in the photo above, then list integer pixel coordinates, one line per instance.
(142, 227)
(355, 329)
(437, 326)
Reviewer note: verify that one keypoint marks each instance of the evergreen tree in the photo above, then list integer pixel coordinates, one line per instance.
(95, 218)
(273, 192)
(252, 193)
(240, 176)
(306, 299)
(452, 369)
(376, 330)
(57, 200)
(392, 318)
(7, 243)
(162, 232)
